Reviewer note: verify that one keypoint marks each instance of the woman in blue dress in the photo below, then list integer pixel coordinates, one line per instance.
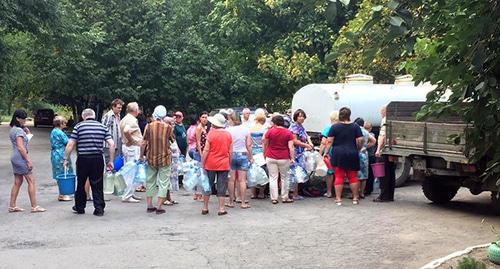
(302, 142)
(58, 141)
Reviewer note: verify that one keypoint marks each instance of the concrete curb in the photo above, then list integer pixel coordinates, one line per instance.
(438, 262)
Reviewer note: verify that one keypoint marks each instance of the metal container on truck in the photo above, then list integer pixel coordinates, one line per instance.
(363, 97)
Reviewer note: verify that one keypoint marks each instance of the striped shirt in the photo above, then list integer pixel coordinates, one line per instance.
(90, 136)
(157, 137)
(112, 121)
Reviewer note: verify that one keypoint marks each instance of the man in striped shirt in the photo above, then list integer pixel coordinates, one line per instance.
(89, 136)
(112, 120)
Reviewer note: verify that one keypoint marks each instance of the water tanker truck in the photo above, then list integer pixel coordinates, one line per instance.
(363, 97)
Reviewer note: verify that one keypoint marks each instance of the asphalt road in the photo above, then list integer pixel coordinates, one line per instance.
(313, 233)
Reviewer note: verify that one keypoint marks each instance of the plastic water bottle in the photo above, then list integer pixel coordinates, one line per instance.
(376, 186)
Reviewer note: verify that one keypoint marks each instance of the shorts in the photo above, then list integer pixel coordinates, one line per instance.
(240, 162)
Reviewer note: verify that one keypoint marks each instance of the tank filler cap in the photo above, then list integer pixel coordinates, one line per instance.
(359, 79)
(404, 80)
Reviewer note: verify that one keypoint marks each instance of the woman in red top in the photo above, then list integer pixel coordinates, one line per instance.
(279, 153)
(215, 159)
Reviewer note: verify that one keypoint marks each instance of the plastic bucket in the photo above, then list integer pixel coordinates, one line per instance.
(66, 184)
(378, 169)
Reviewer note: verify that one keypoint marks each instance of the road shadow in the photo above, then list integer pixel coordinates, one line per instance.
(478, 208)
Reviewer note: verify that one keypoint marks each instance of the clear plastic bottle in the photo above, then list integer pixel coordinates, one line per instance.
(376, 186)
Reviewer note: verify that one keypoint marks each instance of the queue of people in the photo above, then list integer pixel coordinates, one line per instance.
(226, 145)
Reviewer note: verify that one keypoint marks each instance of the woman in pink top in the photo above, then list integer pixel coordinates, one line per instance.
(279, 153)
(215, 159)
(191, 135)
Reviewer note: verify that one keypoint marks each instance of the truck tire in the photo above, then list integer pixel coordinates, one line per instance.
(495, 203)
(437, 190)
(402, 172)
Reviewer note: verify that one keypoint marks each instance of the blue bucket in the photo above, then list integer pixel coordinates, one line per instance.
(66, 183)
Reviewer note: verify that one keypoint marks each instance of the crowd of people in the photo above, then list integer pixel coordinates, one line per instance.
(225, 144)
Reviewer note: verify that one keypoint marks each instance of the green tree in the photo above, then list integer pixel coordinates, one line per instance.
(457, 50)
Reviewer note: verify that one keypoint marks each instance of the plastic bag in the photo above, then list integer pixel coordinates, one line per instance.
(119, 184)
(191, 175)
(310, 161)
(174, 183)
(179, 163)
(175, 169)
(118, 163)
(297, 174)
(256, 176)
(204, 182)
(140, 175)
(259, 159)
(128, 171)
(109, 183)
(174, 148)
(321, 168)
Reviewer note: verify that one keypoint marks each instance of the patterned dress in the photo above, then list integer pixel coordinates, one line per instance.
(363, 156)
(299, 131)
(58, 141)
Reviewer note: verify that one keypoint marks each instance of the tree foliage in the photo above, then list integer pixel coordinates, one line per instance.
(360, 47)
(456, 48)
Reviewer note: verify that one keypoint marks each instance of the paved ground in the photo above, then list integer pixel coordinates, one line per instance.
(309, 234)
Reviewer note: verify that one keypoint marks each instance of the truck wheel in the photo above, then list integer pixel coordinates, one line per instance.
(438, 191)
(402, 172)
(495, 202)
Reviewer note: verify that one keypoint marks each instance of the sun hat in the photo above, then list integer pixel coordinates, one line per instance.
(160, 112)
(218, 120)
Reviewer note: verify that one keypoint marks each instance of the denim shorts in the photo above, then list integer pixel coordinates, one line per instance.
(240, 161)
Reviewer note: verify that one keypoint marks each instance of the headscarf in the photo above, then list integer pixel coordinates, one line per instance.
(159, 113)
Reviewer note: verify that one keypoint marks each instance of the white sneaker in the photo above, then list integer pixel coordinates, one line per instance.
(130, 200)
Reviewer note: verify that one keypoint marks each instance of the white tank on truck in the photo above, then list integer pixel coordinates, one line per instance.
(363, 97)
(359, 94)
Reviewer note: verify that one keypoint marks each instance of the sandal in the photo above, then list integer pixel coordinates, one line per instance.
(221, 213)
(338, 202)
(170, 203)
(15, 209)
(64, 198)
(288, 201)
(245, 206)
(38, 209)
(355, 201)
(274, 202)
(151, 209)
(140, 189)
(160, 211)
(327, 195)
(229, 205)
(204, 211)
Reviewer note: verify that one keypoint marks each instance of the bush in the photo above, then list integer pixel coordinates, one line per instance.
(470, 263)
